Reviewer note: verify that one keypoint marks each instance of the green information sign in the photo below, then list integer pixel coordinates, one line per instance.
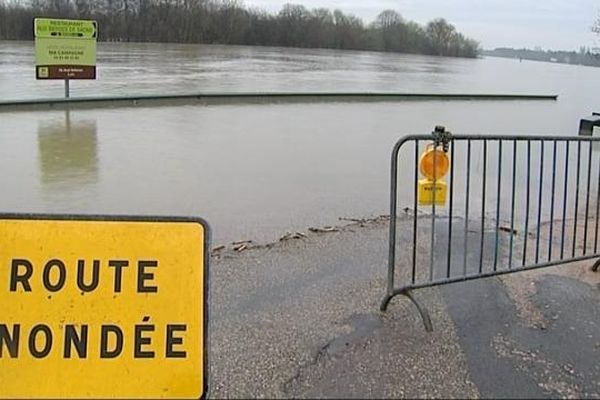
(56, 28)
(65, 48)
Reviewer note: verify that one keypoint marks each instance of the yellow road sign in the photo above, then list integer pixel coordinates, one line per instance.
(102, 307)
(431, 192)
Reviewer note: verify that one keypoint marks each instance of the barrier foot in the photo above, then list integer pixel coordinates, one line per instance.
(386, 301)
(596, 266)
(422, 310)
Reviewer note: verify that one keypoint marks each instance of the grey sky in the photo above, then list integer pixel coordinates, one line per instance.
(550, 24)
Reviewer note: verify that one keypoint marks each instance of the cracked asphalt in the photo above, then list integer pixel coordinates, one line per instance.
(301, 319)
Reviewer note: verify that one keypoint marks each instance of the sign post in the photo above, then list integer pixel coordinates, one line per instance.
(103, 307)
(65, 49)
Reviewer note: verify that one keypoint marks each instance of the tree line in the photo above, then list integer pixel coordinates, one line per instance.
(230, 22)
(583, 57)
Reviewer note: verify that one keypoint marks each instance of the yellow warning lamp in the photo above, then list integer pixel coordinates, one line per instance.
(433, 165)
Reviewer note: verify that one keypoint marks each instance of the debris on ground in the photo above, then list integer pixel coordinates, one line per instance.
(357, 220)
(248, 242)
(292, 235)
(324, 229)
(216, 251)
(241, 247)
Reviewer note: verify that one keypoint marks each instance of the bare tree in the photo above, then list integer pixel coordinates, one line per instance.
(440, 33)
(596, 25)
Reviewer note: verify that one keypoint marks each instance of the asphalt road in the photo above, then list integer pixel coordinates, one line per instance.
(300, 318)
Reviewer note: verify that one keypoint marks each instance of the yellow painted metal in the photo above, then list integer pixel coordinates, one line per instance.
(168, 256)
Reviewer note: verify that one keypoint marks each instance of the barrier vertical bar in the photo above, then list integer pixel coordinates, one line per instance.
(552, 200)
(435, 179)
(498, 202)
(565, 200)
(574, 244)
(483, 186)
(415, 216)
(392, 233)
(468, 186)
(512, 204)
(539, 208)
(527, 196)
(587, 198)
(452, 151)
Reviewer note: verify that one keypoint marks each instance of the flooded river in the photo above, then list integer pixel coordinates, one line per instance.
(254, 171)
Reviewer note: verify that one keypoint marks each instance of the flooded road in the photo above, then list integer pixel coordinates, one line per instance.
(254, 171)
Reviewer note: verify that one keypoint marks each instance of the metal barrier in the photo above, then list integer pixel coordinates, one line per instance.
(533, 186)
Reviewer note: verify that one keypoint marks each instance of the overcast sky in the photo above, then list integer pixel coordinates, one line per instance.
(550, 24)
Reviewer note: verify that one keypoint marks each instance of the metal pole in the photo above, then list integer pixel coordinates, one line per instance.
(66, 88)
